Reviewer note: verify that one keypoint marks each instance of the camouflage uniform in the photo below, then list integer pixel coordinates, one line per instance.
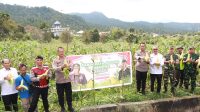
(190, 71)
(169, 72)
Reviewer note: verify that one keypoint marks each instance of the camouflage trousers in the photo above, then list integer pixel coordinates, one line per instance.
(169, 75)
(190, 75)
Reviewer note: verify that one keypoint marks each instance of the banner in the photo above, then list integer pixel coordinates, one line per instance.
(96, 71)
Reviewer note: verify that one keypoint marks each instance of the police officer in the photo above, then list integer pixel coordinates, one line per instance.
(190, 62)
(170, 60)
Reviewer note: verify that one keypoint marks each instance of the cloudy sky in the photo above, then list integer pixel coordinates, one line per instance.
(126, 10)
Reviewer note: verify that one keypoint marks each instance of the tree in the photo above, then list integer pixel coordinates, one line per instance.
(132, 38)
(104, 37)
(8, 28)
(117, 33)
(44, 26)
(86, 37)
(91, 36)
(94, 36)
(131, 30)
(47, 36)
(66, 37)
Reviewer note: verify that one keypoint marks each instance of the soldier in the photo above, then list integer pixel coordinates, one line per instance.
(190, 62)
(180, 75)
(170, 70)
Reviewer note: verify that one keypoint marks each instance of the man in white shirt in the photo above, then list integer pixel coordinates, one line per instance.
(8, 92)
(156, 63)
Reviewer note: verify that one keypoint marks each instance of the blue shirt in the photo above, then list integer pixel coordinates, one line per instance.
(23, 93)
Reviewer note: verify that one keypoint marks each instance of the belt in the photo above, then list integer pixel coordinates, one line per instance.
(44, 86)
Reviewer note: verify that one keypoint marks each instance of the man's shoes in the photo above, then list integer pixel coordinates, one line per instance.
(71, 109)
(63, 110)
(143, 92)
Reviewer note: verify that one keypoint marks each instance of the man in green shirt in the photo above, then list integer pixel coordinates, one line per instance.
(190, 62)
(180, 75)
(170, 70)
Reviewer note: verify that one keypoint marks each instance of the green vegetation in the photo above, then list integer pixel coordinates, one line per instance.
(23, 43)
(26, 51)
(39, 15)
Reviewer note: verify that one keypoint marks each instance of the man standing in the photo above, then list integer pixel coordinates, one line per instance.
(190, 60)
(156, 63)
(170, 70)
(40, 77)
(142, 60)
(8, 91)
(22, 85)
(63, 83)
(180, 68)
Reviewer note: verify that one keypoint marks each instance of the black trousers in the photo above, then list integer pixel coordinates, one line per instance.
(64, 89)
(157, 77)
(36, 94)
(10, 101)
(141, 80)
(180, 77)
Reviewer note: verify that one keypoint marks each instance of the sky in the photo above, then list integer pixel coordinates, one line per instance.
(125, 10)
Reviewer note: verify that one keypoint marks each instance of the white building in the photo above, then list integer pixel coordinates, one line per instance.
(57, 29)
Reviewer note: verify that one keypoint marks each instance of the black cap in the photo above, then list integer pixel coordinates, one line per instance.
(191, 47)
(179, 47)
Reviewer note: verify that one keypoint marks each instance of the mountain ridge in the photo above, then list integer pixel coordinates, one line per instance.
(80, 21)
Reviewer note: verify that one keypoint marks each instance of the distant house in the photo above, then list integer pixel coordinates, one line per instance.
(79, 33)
(155, 34)
(104, 33)
(57, 28)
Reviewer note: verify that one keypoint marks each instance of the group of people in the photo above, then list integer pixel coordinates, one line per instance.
(179, 68)
(31, 86)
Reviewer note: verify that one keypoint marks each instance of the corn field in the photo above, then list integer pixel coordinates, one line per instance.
(26, 51)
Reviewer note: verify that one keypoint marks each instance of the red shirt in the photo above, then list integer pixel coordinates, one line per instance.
(39, 71)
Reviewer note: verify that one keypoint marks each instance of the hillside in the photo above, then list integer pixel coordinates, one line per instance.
(80, 21)
(172, 27)
(37, 15)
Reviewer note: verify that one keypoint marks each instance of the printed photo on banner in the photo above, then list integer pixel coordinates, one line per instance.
(96, 71)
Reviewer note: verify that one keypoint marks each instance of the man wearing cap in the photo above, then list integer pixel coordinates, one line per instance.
(170, 60)
(180, 75)
(156, 63)
(141, 67)
(190, 62)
